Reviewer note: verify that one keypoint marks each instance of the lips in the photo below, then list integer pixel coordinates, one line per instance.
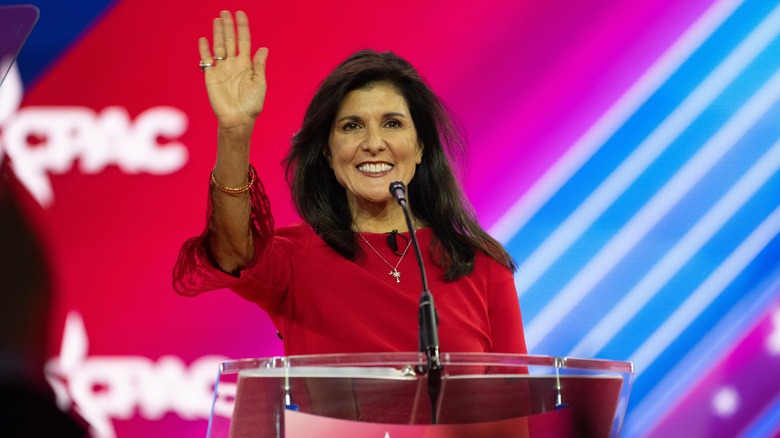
(374, 168)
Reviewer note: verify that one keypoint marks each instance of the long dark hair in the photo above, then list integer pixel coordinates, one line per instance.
(322, 201)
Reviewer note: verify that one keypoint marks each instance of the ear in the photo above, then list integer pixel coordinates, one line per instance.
(418, 158)
(328, 157)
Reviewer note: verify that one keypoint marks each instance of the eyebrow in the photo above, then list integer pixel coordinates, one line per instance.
(385, 116)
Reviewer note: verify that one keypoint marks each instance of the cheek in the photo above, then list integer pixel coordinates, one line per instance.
(339, 153)
(330, 151)
(334, 153)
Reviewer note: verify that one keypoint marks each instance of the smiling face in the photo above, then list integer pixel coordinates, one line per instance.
(373, 142)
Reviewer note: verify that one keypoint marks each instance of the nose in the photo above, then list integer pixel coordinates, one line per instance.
(373, 143)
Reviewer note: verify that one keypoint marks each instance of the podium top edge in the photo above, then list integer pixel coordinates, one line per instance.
(402, 359)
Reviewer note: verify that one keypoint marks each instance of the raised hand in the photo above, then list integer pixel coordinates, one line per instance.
(235, 82)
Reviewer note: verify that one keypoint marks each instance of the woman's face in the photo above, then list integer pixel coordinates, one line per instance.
(373, 142)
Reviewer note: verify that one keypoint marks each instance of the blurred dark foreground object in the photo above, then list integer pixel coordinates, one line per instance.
(27, 404)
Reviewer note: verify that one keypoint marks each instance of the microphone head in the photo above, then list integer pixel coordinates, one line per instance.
(398, 190)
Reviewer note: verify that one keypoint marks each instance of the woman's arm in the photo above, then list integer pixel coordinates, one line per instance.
(236, 87)
(506, 322)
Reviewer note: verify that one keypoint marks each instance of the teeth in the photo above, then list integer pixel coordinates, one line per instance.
(375, 168)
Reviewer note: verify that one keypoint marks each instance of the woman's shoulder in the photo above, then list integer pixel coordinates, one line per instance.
(487, 265)
(298, 235)
(295, 229)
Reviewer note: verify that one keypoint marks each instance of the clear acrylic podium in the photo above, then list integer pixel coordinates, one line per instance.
(16, 23)
(385, 395)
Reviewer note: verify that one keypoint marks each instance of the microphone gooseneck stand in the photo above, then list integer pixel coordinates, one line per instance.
(428, 319)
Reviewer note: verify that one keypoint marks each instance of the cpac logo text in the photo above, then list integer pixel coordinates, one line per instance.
(103, 388)
(49, 140)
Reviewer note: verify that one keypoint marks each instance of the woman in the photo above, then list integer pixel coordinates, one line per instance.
(334, 284)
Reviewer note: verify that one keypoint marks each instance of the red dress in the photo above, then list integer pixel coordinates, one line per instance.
(322, 303)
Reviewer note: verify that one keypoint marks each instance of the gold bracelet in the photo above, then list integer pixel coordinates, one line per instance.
(234, 190)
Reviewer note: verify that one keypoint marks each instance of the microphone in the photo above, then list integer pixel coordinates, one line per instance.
(398, 190)
(428, 319)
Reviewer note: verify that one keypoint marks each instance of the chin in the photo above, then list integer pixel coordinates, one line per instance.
(375, 198)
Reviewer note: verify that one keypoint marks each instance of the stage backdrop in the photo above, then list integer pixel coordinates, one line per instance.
(626, 152)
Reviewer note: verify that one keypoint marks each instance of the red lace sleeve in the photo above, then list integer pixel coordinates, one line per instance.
(195, 272)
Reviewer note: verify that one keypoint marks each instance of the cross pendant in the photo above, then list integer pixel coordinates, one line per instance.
(395, 274)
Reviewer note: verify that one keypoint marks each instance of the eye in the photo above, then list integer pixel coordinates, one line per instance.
(349, 126)
(393, 123)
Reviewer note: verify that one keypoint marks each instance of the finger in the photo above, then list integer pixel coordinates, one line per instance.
(244, 39)
(203, 49)
(259, 61)
(229, 31)
(219, 38)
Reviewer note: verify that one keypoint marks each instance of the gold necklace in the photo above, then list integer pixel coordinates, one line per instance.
(393, 269)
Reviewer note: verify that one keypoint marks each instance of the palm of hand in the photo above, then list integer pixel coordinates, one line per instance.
(235, 82)
(236, 91)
